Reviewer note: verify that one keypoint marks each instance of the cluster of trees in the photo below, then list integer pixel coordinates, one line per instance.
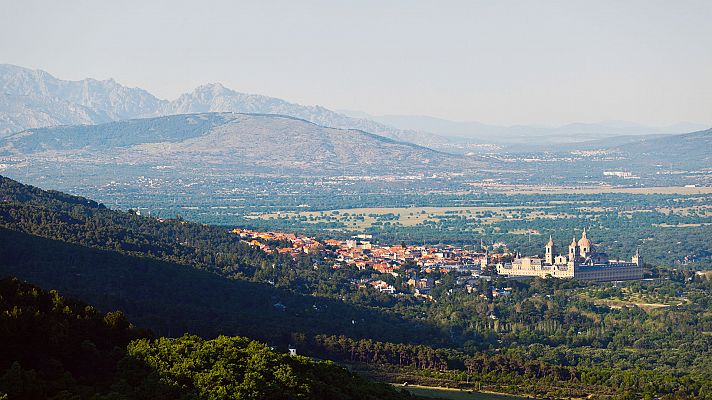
(556, 333)
(53, 346)
(58, 348)
(238, 368)
(493, 371)
(534, 369)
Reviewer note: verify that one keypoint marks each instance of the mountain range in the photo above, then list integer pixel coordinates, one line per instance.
(469, 131)
(45, 121)
(34, 99)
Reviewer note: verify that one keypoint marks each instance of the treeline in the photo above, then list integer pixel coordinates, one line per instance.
(237, 368)
(515, 371)
(64, 349)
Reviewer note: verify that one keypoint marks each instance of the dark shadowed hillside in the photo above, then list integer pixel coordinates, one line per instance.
(61, 348)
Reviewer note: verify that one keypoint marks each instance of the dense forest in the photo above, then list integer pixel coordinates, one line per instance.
(59, 348)
(556, 338)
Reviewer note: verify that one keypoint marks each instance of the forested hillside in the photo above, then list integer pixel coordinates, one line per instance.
(61, 348)
(73, 219)
(56, 346)
(172, 299)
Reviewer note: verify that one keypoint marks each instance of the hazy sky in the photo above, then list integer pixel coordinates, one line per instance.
(503, 62)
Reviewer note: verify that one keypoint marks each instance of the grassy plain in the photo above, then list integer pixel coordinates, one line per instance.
(478, 217)
(362, 218)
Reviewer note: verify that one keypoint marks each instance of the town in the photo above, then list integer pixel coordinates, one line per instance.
(416, 265)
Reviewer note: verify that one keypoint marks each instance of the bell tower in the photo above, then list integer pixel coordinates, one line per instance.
(584, 245)
(637, 259)
(573, 250)
(550, 248)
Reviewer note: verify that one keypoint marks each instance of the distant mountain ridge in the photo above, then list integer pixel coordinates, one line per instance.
(695, 147)
(573, 132)
(35, 99)
(236, 143)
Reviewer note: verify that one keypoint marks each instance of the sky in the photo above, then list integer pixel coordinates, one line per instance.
(499, 62)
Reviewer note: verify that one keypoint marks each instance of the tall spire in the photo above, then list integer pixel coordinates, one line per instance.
(585, 244)
(636, 258)
(549, 259)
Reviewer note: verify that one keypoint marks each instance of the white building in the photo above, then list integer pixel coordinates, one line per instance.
(581, 262)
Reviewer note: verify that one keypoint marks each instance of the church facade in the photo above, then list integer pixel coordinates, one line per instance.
(581, 261)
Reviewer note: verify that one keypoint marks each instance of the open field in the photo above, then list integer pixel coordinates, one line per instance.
(669, 229)
(627, 298)
(654, 223)
(359, 219)
(621, 303)
(456, 394)
(363, 218)
(680, 225)
(527, 189)
(701, 210)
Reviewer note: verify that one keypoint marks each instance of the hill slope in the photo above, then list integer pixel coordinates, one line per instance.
(694, 146)
(34, 98)
(217, 98)
(234, 142)
(657, 153)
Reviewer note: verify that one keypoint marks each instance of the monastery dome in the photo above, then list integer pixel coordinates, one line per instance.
(584, 242)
